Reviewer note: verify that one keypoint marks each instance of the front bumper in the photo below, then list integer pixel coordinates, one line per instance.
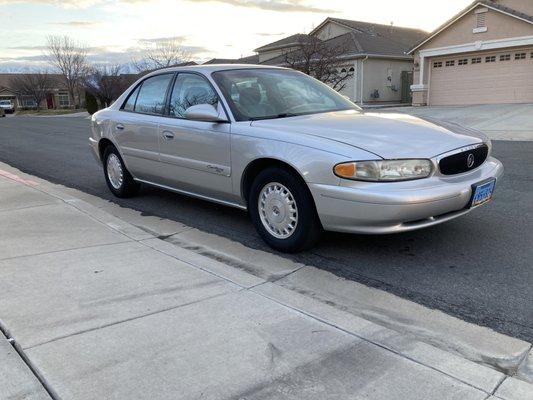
(380, 208)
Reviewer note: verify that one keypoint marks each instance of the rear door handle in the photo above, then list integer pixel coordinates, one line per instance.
(119, 127)
(168, 135)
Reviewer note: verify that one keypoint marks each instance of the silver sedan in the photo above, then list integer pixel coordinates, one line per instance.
(293, 152)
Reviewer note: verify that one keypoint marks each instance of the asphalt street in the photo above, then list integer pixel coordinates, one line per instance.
(478, 268)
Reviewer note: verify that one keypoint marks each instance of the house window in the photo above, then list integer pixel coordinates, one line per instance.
(476, 60)
(505, 57)
(64, 100)
(520, 56)
(463, 62)
(490, 59)
(29, 103)
(437, 64)
(450, 63)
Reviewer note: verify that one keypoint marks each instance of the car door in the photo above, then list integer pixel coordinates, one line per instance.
(195, 155)
(135, 127)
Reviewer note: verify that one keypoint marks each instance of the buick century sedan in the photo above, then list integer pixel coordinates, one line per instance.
(298, 156)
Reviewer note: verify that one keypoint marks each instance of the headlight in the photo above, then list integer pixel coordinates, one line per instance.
(385, 170)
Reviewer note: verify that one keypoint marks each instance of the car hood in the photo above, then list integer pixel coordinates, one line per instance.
(387, 135)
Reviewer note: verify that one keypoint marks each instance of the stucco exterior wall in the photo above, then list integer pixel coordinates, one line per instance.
(331, 30)
(499, 26)
(267, 55)
(375, 76)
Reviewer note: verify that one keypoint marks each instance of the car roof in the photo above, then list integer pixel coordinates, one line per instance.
(207, 69)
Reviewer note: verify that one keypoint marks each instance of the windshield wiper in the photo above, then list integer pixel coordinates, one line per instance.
(283, 115)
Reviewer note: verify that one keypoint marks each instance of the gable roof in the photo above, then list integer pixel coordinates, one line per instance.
(398, 34)
(356, 44)
(5, 80)
(487, 3)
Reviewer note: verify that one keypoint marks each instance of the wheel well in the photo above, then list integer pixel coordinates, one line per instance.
(102, 145)
(255, 167)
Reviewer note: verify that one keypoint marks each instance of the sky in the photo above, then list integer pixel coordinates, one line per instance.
(116, 30)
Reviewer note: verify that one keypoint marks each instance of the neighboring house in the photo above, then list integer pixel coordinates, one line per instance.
(375, 56)
(483, 55)
(57, 97)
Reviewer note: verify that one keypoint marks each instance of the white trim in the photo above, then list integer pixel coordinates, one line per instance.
(480, 30)
(461, 15)
(419, 88)
(478, 46)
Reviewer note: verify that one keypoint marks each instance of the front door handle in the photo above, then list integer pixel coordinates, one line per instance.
(119, 127)
(168, 135)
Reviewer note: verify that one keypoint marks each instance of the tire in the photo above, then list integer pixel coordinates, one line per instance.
(117, 177)
(283, 194)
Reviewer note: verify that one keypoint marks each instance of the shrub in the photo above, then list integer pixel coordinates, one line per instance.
(90, 103)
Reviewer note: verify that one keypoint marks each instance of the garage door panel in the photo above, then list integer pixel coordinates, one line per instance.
(486, 83)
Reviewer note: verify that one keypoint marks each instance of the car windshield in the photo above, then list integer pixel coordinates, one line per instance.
(5, 102)
(255, 94)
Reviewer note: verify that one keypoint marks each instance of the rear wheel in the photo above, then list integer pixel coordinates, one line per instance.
(118, 179)
(283, 211)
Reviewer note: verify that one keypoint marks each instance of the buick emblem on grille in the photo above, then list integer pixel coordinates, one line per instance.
(470, 160)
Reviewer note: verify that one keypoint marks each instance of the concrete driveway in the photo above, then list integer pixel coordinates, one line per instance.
(498, 121)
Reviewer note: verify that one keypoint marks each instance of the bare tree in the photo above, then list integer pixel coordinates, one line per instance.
(70, 58)
(320, 59)
(161, 54)
(107, 83)
(35, 86)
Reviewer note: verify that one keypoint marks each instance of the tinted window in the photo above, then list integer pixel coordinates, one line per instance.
(151, 98)
(130, 103)
(190, 90)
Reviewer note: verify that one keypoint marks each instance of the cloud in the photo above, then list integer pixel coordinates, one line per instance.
(273, 5)
(162, 39)
(270, 34)
(61, 3)
(76, 24)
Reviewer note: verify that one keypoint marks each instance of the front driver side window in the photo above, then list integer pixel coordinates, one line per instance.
(190, 90)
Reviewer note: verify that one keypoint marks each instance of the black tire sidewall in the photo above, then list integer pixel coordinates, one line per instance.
(308, 229)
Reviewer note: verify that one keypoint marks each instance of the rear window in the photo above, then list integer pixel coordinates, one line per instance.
(150, 96)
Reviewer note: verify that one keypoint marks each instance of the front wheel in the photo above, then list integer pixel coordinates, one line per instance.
(118, 179)
(283, 212)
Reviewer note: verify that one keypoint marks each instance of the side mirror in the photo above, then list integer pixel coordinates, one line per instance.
(204, 112)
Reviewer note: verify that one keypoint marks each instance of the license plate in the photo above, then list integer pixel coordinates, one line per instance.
(482, 192)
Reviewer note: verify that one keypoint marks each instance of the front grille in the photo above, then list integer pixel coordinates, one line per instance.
(463, 162)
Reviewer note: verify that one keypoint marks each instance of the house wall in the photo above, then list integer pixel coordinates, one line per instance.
(350, 90)
(499, 26)
(331, 30)
(269, 54)
(375, 76)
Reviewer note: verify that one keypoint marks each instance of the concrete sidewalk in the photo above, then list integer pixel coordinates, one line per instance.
(497, 121)
(96, 308)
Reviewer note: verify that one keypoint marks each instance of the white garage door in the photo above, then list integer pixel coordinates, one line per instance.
(503, 77)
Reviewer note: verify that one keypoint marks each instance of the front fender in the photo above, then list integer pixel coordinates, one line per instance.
(315, 165)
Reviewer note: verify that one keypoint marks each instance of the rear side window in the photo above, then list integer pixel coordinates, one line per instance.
(129, 105)
(152, 93)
